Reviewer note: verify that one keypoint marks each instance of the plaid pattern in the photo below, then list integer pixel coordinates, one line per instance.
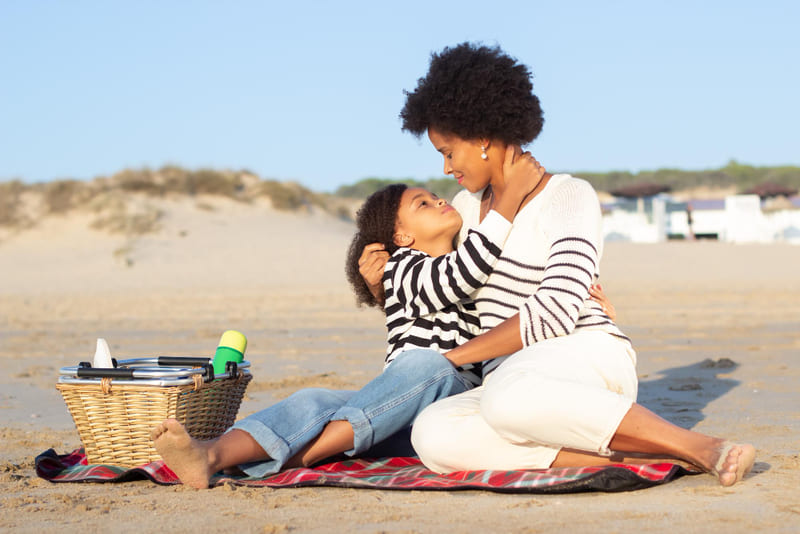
(382, 473)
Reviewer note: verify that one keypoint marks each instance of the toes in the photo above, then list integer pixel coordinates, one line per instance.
(736, 463)
(173, 425)
(731, 460)
(168, 425)
(727, 479)
(157, 431)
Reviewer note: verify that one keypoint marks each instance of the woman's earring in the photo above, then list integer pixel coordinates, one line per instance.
(484, 155)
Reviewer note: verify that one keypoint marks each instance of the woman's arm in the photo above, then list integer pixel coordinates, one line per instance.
(371, 265)
(501, 340)
(555, 307)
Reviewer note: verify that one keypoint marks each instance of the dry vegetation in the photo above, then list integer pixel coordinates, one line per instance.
(732, 178)
(10, 203)
(119, 203)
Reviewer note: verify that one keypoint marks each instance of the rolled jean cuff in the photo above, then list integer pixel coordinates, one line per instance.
(277, 449)
(363, 436)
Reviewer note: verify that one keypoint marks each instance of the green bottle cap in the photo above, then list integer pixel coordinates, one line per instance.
(231, 348)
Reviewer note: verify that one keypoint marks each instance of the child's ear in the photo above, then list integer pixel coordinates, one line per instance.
(402, 240)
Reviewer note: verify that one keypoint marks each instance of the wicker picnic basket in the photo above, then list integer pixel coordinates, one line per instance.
(115, 415)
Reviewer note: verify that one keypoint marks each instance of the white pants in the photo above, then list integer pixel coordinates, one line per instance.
(572, 391)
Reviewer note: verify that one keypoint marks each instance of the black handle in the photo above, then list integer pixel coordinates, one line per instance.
(184, 361)
(103, 373)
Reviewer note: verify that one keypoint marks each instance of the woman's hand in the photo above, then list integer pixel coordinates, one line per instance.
(597, 295)
(371, 264)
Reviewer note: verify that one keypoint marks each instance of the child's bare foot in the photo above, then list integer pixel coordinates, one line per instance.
(734, 462)
(187, 457)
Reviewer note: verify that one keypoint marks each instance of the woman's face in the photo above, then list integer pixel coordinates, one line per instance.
(462, 159)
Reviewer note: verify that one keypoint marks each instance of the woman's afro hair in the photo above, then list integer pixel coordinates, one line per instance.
(475, 92)
(375, 223)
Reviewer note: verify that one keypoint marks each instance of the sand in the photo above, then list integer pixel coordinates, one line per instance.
(715, 326)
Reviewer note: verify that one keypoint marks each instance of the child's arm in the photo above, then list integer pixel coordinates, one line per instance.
(522, 174)
(422, 284)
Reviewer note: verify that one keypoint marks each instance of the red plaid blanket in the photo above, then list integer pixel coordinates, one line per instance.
(381, 473)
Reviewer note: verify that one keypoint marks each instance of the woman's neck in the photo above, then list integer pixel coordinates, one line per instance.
(497, 186)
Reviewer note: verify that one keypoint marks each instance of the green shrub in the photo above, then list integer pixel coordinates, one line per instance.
(442, 187)
(733, 174)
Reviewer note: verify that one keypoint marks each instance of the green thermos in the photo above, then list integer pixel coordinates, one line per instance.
(231, 348)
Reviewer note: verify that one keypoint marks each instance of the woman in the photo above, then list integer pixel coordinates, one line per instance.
(566, 394)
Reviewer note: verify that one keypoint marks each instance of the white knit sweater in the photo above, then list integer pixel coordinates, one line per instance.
(551, 257)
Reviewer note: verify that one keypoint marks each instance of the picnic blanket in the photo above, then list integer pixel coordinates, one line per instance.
(395, 473)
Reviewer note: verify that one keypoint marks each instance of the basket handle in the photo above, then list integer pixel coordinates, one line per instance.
(89, 372)
(183, 360)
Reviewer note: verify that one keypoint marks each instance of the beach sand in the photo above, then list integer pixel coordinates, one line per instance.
(715, 327)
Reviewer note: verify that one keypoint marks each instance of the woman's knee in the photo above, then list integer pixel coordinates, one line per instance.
(431, 438)
(507, 404)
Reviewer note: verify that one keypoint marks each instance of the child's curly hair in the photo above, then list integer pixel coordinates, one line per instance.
(475, 91)
(375, 223)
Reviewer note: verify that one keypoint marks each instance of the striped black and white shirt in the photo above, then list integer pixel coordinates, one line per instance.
(549, 260)
(429, 300)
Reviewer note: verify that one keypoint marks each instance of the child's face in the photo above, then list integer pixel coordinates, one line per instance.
(462, 159)
(426, 222)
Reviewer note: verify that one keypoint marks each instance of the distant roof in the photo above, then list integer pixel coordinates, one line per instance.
(771, 189)
(641, 189)
(708, 204)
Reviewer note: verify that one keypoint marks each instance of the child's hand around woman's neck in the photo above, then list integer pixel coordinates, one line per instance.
(522, 179)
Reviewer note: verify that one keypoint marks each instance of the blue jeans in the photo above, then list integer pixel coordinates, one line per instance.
(385, 408)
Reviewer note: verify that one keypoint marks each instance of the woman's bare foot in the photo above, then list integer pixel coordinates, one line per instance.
(734, 462)
(187, 457)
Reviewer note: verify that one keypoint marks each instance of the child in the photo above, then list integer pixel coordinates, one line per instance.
(428, 283)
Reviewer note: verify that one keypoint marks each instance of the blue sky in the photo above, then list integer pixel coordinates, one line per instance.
(310, 91)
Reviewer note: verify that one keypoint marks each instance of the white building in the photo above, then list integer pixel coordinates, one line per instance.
(735, 219)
